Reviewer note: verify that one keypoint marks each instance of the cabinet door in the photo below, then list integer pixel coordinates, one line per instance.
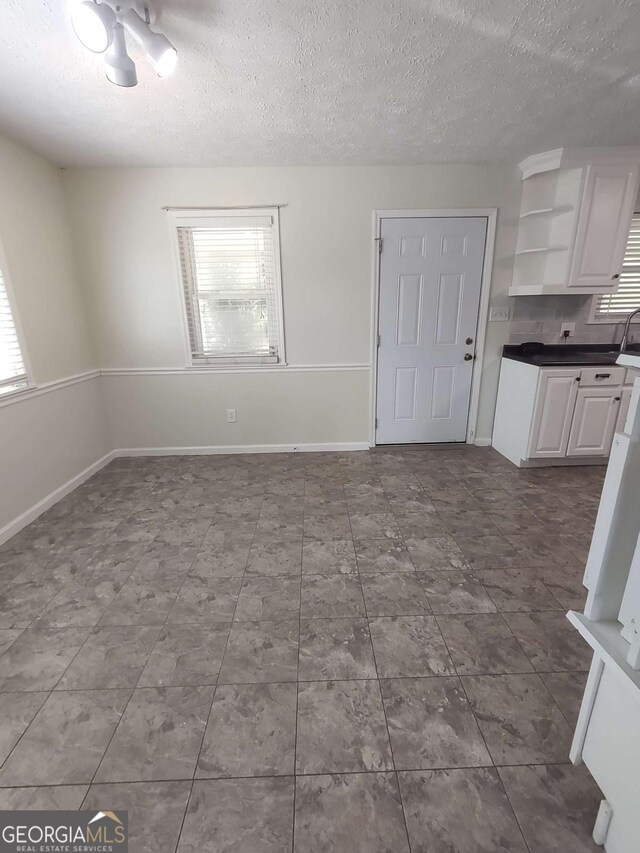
(594, 422)
(555, 401)
(623, 411)
(603, 226)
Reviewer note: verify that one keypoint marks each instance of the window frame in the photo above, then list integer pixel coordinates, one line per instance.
(15, 314)
(201, 217)
(594, 319)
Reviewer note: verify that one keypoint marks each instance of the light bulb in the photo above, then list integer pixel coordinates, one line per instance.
(93, 23)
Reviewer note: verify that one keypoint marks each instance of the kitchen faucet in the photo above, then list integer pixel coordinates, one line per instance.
(625, 334)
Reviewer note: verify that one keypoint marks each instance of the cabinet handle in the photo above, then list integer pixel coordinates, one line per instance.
(616, 275)
(577, 379)
(617, 398)
(602, 375)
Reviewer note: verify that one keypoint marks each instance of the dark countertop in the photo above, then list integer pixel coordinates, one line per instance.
(567, 355)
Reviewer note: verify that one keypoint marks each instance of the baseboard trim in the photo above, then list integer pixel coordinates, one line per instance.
(46, 503)
(214, 450)
(482, 442)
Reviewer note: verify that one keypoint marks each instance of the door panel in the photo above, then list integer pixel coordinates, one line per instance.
(594, 422)
(555, 402)
(430, 279)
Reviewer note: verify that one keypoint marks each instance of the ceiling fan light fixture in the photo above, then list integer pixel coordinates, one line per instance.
(121, 69)
(93, 24)
(161, 54)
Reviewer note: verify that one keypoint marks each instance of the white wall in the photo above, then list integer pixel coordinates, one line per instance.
(123, 246)
(49, 438)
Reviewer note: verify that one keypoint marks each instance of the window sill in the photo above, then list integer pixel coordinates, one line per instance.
(12, 395)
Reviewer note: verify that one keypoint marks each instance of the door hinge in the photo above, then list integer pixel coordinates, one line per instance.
(379, 242)
(376, 423)
(378, 340)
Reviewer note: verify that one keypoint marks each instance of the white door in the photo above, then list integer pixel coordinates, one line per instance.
(430, 278)
(555, 403)
(594, 422)
(605, 219)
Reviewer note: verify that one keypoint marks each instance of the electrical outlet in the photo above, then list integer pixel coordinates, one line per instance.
(567, 330)
(231, 416)
(499, 314)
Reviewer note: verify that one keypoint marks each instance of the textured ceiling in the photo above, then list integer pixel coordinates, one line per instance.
(290, 82)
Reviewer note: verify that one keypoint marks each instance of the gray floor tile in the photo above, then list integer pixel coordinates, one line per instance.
(16, 712)
(111, 657)
(279, 558)
(550, 641)
(431, 724)
(409, 646)
(517, 590)
(335, 649)
(354, 813)
(455, 592)
(206, 600)
(483, 644)
(251, 731)
(567, 688)
(519, 719)
(66, 740)
(156, 810)
(79, 604)
(328, 558)
(22, 600)
(239, 816)
(383, 555)
(159, 735)
(327, 527)
(268, 598)
(367, 525)
(221, 556)
(565, 584)
(341, 728)
(44, 798)
(7, 638)
(186, 655)
(537, 551)
(37, 659)
(142, 601)
(430, 555)
(555, 806)
(463, 810)
(331, 596)
(488, 551)
(260, 652)
(394, 594)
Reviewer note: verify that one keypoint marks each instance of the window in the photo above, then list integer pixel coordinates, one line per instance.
(230, 269)
(13, 374)
(614, 307)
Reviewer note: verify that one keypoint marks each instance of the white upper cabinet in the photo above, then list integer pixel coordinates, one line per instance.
(575, 217)
(603, 227)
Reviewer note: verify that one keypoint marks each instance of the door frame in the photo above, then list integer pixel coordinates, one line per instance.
(491, 215)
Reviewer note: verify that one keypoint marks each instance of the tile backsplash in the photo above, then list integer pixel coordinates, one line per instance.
(539, 318)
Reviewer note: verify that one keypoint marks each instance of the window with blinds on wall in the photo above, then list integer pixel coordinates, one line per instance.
(230, 270)
(13, 374)
(614, 307)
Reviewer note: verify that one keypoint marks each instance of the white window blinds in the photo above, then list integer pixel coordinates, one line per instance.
(230, 275)
(613, 307)
(13, 375)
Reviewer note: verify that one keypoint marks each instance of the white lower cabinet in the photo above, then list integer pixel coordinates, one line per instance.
(594, 421)
(556, 397)
(558, 413)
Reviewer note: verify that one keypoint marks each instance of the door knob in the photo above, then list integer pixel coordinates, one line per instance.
(467, 356)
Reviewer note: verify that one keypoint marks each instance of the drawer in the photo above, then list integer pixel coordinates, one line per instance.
(602, 376)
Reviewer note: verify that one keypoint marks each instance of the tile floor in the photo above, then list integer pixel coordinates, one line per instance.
(359, 653)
